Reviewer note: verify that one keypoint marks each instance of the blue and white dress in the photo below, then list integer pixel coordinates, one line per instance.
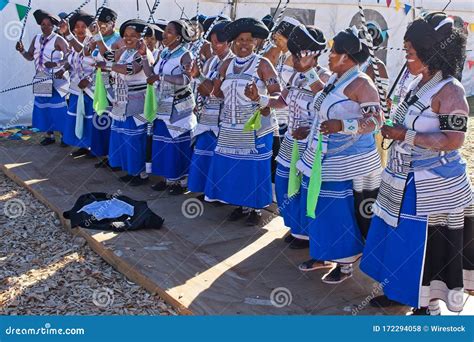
(299, 100)
(240, 171)
(172, 151)
(78, 130)
(206, 133)
(100, 135)
(285, 72)
(128, 131)
(50, 107)
(349, 162)
(420, 241)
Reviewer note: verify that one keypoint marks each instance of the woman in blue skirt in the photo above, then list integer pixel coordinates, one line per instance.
(128, 131)
(46, 49)
(304, 44)
(78, 127)
(240, 171)
(171, 150)
(420, 243)
(341, 142)
(207, 129)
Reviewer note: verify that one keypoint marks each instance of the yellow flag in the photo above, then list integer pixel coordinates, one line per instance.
(398, 5)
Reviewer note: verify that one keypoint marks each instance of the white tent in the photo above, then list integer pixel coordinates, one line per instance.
(330, 16)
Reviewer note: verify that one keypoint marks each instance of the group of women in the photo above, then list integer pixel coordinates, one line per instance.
(242, 104)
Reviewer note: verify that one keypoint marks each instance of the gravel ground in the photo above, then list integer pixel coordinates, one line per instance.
(44, 270)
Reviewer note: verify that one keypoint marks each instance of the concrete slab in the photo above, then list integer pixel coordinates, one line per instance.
(202, 265)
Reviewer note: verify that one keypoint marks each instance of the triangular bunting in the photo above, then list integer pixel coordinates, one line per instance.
(407, 8)
(21, 10)
(3, 3)
(397, 5)
(471, 26)
(389, 2)
(470, 64)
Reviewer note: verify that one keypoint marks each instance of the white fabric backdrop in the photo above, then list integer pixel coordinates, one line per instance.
(330, 16)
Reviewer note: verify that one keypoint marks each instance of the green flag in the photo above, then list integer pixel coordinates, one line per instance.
(151, 106)
(21, 10)
(100, 94)
(315, 181)
(255, 122)
(294, 181)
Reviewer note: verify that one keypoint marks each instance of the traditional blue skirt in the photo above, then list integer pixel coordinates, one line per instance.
(201, 161)
(289, 207)
(171, 157)
(334, 233)
(49, 113)
(128, 146)
(69, 134)
(395, 256)
(100, 134)
(243, 180)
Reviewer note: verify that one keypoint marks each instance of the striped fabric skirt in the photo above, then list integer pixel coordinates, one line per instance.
(128, 146)
(201, 161)
(69, 134)
(100, 134)
(242, 179)
(334, 235)
(289, 207)
(424, 258)
(49, 113)
(171, 157)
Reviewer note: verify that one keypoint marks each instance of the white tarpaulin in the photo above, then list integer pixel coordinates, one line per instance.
(330, 16)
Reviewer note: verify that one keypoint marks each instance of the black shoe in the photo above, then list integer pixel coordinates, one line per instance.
(289, 238)
(137, 181)
(336, 276)
(160, 186)
(79, 152)
(202, 197)
(299, 244)
(89, 155)
(102, 164)
(47, 141)
(176, 189)
(383, 302)
(254, 218)
(126, 178)
(419, 312)
(237, 214)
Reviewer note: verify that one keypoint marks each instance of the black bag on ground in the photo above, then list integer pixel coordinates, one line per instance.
(143, 217)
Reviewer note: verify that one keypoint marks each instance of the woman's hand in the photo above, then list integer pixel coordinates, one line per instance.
(331, 126)
(64, 28)
(102, 65)
(152, 79)
(141, 47)
(251, 92)
(83, 84)
(19, 47)
(59, 74)
(301, 132)
(396, 132)
(51, 65)
(205, 88)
